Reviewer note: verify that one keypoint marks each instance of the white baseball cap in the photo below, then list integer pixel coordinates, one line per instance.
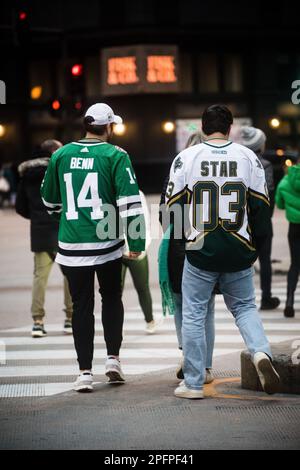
(102, 114)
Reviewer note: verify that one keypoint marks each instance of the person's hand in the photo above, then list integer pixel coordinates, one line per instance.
(134, 254)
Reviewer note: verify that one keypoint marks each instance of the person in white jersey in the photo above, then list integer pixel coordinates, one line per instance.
(223, 187)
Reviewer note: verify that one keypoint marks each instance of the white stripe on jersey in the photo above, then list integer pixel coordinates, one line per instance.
(88, 246)
(77, 261)
(131, 212)
(128, 200)
(51, 205)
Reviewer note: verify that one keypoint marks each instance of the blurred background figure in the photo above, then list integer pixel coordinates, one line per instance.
(139, 270)
(288, 198)
(43, 234)
(4, 187)
(255, 139)
(8, 184)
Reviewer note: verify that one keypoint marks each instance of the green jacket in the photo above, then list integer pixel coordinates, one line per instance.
(288, 194)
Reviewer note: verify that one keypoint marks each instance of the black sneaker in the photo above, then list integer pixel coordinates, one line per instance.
(179, 371)
(289, 312)
(38, 331)
(68, 327)
(270, 304)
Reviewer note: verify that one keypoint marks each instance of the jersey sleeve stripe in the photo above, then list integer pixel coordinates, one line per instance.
(261, 196)
(176, 197)
(128, 199)
(51, 205)
(132, 212)
(59, 211)
(132, 205)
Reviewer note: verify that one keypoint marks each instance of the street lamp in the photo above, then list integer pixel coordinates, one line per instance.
(2, 130)
(168, 127)
(119, 129)
(275, 123)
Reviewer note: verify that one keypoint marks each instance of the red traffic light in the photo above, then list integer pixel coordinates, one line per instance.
(78, 105)
(77, 70)
(55, 105)
(22, 15)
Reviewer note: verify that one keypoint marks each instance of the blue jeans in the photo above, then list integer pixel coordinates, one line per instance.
(209, 327)
(239, 295)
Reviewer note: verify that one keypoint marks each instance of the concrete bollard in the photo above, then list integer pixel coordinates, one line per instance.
(286, 360)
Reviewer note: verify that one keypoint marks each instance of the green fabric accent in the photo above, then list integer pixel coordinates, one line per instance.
(139, 270)
(217, 146)
(288, 195)
(222, 252)
(168, 303)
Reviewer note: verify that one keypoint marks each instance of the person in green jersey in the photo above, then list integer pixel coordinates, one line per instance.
(92, 187)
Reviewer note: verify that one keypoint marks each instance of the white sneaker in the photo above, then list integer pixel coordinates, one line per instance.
(151, 327)
(268, 376)
(84, 383)
(183, 392)
(113, 371)
(68, 330)
(38, 330)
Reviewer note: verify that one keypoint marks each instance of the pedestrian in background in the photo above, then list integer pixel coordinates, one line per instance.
(288, 198)
(255, 140)
(139, 270)
(43, 235)
(176, 256)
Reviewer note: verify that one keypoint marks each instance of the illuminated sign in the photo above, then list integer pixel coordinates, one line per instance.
(139, 69)
(161, 69)
(122, 71)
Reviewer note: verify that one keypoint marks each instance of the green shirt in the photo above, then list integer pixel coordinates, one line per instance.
(92, 187)
(288, 194)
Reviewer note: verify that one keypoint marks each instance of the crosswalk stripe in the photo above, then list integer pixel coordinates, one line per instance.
(158, 338)
(138, 326)
(42, 360)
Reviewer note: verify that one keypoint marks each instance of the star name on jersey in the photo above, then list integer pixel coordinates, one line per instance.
(219, 168)
(82, 163)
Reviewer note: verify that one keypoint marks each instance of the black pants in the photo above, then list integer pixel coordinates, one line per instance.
(82, 281)
(264, 254)
(293, 275)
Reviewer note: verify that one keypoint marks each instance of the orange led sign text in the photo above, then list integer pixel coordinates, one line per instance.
(161, 69)
(122, 71)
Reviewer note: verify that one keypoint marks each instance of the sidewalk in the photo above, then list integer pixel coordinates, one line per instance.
(143, 414)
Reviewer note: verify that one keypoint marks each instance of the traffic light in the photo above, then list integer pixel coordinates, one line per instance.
(77, 82)
(55, 108)
(21, 23)
(77, 88)
(77, 70)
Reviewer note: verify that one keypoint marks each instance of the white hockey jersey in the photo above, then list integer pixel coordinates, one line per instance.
(224, 193)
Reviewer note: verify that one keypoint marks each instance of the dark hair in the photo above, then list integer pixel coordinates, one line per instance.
(94, 129)
(216, 118)
(48, 147)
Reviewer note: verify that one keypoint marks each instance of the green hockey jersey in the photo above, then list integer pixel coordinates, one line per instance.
(92, 187)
